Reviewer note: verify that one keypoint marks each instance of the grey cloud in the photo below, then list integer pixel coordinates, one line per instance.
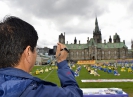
(71, 31)
(47, 43)
(59, 8)
(60, 11)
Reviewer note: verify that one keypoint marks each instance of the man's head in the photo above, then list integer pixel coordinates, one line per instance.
(15, 36)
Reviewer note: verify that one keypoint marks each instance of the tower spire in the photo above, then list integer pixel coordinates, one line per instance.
(96, 25)
(96, 22)
(97, 33)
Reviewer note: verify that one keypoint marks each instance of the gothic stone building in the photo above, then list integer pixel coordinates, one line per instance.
(94, 49)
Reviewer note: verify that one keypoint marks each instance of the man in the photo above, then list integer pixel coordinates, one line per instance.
(18, 41)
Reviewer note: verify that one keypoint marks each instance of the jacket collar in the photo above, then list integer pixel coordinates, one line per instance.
(15, 72)
(20, 73)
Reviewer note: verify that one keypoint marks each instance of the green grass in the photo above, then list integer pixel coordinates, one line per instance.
(126, 86)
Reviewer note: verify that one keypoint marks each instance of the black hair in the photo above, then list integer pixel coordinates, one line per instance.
(15, 36)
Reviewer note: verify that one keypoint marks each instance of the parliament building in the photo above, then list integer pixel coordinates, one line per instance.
(94, 49)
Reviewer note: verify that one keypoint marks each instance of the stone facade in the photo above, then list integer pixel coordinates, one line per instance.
(94, 49)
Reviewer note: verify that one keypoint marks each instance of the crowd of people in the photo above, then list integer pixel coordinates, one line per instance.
(110, 68)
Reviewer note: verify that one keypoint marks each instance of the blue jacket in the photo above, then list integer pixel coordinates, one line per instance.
(18, 83)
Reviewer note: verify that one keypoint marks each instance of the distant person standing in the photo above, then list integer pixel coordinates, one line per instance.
(18, 41)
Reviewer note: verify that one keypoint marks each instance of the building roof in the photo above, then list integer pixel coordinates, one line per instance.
(98, 45)
(111, 45)
(130, 50)
(76, 46)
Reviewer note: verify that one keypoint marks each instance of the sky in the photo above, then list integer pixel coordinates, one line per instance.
(76, 18)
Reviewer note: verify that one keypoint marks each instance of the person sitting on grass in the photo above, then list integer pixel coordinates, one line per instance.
(116, 73)
(79, 68)
(41, 70)
(105, 70)
(130, 70)
(73, 66)
(76, 73)
(89, 69)
(95, 73)
(123, 69)
(109, 70)
(37, 72)
(46, 70)
(92, 71)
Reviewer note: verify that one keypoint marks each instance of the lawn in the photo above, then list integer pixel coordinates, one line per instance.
(125, 86)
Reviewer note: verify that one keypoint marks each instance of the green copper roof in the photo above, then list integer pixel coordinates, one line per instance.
(111, 45)
(130, 50)
(99, 45)
(92, 42)
(76, 46)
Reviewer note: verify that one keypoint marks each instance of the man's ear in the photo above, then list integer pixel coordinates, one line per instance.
(27, 52)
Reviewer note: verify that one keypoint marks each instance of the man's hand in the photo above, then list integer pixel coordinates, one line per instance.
(61, 54)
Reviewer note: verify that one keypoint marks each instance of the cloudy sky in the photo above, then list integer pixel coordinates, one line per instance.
(74, 17)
